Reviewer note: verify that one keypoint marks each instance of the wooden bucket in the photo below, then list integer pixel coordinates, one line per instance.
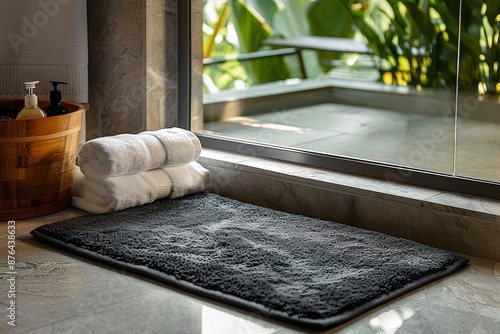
(37, 158)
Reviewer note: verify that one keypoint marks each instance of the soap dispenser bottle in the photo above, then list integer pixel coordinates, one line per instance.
(31, 109)
(56, 108)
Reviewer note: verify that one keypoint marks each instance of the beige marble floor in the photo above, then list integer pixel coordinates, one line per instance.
(422, 141)
(57, 292)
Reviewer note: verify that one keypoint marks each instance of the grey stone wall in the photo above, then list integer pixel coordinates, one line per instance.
(132, 66)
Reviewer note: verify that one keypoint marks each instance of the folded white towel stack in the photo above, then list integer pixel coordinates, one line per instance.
(128, 153)
(122, 171)
(99, 193)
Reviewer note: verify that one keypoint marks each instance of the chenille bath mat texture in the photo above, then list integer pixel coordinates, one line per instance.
(300, 270)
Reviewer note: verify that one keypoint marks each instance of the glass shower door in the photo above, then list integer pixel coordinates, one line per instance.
(478, 108)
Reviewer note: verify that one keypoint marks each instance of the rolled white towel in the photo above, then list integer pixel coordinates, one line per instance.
(187, 179)
(97, 193)
(132, 153)
(181, 146)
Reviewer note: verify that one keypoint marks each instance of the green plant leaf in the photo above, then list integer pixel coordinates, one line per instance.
(320, 15)
(267, 9)
(252, 30)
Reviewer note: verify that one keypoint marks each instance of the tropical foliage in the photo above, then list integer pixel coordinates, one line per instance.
(413, 42)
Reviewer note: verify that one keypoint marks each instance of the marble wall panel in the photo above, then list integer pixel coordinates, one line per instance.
(132, 66)
(161, 63)
(117, 79)
(196, 65)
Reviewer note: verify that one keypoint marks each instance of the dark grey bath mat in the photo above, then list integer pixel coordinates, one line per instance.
(296, 269)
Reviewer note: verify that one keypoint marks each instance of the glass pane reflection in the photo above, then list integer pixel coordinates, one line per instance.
(394, 105)
(478, 117)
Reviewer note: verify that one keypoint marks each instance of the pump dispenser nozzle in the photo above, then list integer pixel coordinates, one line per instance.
(56, 108)
(31, 99)
(55, 95)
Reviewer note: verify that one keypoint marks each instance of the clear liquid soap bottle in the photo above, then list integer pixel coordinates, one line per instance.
(56, 108)
(31, 109)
